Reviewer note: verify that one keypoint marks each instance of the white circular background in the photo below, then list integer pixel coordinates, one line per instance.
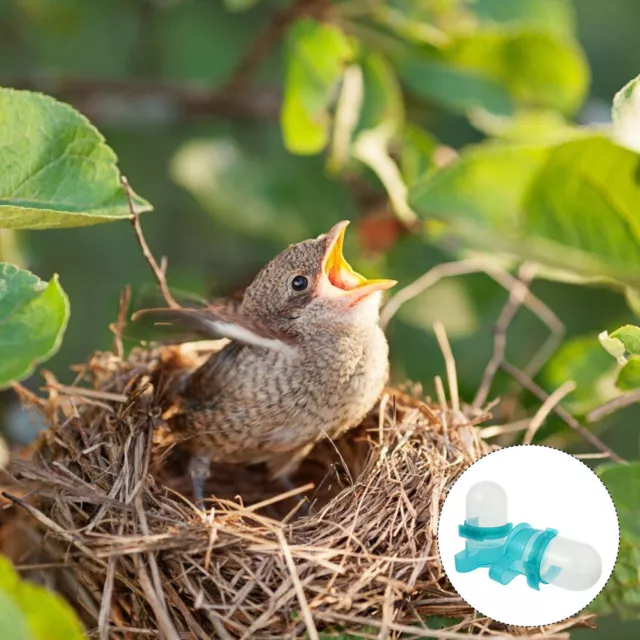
(545, 488)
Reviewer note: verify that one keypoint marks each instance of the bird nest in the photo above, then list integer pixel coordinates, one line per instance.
(109, 522)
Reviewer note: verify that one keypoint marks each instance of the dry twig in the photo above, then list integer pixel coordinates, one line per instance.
(146, 252)
(527, 383)
(547, 407)
(607, 408)
(450, 363)
(118, 326)
(517, 296)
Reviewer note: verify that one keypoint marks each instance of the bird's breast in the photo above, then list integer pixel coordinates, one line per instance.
(275, 401)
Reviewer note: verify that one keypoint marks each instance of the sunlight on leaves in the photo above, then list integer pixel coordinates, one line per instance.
(316, 58)
(497, 68)
(570, 206)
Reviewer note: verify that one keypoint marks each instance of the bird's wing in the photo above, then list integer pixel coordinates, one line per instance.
(221, 322)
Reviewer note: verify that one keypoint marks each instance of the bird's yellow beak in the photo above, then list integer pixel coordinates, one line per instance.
(340, 273)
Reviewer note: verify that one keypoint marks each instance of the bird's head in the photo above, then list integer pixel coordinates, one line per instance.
(311, 285)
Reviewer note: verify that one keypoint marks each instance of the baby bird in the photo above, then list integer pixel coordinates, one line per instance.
(307, 360)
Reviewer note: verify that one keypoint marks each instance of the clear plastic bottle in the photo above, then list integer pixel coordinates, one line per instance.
(487, 505)
(579, 564)
(485, 528)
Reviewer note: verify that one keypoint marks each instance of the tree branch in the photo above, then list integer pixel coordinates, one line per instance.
(527, 383)
(547, 407)
(614, 405)
(146, 252)
(517, 296)
(266, 39)
(140, 101)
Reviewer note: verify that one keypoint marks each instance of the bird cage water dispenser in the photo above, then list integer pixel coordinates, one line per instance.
(541, 555)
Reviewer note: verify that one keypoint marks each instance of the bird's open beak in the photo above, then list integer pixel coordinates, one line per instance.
(340, 273)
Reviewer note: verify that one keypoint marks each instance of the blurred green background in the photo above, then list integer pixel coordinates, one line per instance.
(228, 195)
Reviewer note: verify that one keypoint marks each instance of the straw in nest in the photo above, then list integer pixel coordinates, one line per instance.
(139, 560)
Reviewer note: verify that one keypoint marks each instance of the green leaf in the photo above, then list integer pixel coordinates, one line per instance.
(626, 115)
(33, 318)
(613, 346)
(316, 57)
(622, 593)
(383, 101)
(45, 614)
(538, 68)
(55, 168)
(629, 335)
(629, 376)
(496, 68)
(583, 360)
(12, 622)
(458, 89)
(623, 483)
(569, 205)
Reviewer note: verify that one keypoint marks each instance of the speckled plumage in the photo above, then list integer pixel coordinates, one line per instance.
(247, 404)
(305, 365)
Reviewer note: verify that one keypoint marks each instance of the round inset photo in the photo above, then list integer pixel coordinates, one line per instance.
(528, 535)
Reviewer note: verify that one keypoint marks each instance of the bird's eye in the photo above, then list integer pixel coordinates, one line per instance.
(299, 283)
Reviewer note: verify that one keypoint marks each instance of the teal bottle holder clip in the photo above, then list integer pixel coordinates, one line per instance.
(522, 554)
(477, 554)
